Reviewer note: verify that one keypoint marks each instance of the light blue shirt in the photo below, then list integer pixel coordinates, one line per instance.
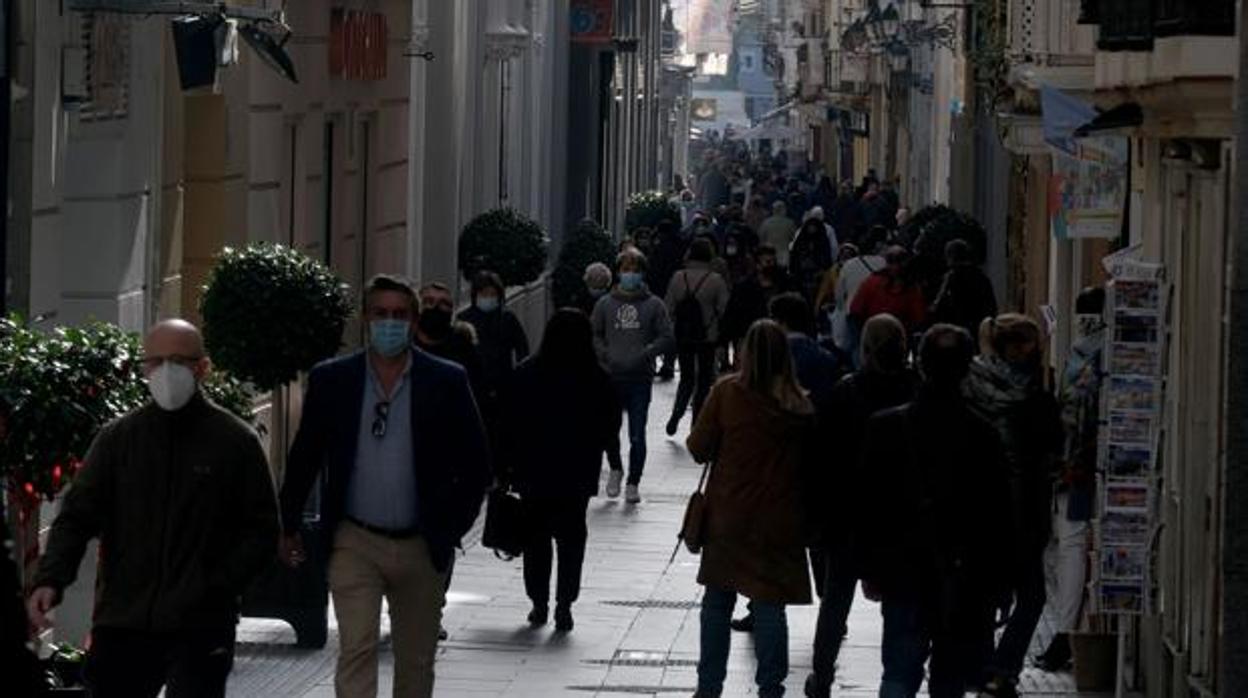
(382, 491)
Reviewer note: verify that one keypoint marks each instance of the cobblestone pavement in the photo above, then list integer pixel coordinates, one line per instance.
(636, 623)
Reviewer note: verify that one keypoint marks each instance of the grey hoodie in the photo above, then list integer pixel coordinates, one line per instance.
(630, 330)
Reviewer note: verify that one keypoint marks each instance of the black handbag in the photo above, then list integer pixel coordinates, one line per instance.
(504, 524)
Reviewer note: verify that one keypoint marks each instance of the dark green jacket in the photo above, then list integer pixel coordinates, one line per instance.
(184, 507)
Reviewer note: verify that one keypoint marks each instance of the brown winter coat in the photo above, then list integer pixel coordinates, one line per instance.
(755, 526)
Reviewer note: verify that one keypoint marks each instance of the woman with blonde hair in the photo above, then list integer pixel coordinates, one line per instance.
(1006, 388)
(756, 428)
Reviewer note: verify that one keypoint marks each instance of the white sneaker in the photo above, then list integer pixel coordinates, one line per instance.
(614, 477)
(631, 495)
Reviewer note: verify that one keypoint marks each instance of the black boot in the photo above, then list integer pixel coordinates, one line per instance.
(563, 618)
(1058, 656)
(539, 614)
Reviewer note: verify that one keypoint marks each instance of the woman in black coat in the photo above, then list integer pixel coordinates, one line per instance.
(558, 413)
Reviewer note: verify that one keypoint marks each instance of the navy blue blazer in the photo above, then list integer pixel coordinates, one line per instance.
(451, 453)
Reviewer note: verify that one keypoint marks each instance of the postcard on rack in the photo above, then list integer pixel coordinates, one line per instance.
(1125, 527)
(1134, 359)
(1137, 328)
(1137, 295)
(1124, 562)
(1122, 597)
(1128, 460)
(1132, 393)
(1131, 427)
(1129, 494)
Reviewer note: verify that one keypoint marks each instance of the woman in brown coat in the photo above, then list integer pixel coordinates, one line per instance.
(756, 427)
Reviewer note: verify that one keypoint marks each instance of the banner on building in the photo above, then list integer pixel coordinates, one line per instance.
(1091, 176)
(1130, 436)
(358, 45)
(592, 21)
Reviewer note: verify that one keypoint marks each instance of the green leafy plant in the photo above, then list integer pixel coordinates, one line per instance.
(587, 243)
(649, 208)
(271, 312)
(58, 388)
(506, 242)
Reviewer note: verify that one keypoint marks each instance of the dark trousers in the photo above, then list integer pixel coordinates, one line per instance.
(1029, 599)
(697, 375)
(563, 521)
(913, 633)
(137, 664)
(839, 585)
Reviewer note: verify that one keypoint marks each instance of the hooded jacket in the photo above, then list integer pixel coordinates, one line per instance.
(1080, 400)
(1029, 427)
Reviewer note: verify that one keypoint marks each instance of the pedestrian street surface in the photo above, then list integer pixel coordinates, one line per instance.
(636, 621)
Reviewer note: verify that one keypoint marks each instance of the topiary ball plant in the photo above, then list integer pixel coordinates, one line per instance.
(649, 208)
(271, 312)
(506, 242)
(929, 230)
(587, 243)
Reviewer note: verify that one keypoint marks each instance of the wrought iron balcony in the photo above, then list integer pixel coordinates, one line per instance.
(1194, 18)
(1132, 25)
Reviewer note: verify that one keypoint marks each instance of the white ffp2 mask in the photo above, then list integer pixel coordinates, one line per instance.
(172, 385)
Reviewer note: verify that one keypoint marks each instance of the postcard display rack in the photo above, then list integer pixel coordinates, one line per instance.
(1130, 436)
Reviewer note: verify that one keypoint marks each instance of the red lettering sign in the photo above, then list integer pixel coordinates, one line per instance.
(358, 45)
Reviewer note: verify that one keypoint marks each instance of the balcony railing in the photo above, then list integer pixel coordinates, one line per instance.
(1195, 17)
(1132, 25)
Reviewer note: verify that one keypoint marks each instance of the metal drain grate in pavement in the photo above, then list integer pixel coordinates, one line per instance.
(642, 658)
(639, 690)
(657, 603)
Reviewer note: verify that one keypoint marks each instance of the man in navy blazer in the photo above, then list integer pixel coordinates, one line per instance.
(398, 436)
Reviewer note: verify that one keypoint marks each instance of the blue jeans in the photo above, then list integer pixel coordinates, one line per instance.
(771, 644)
(634, 397)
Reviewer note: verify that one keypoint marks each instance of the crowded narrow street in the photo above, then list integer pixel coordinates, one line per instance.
(637, 620)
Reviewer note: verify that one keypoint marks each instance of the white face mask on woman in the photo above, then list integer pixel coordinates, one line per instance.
(172, 385)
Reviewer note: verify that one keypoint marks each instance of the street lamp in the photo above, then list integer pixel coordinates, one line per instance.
(890, 20)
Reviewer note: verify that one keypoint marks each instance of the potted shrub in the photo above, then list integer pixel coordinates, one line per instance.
(271, 313)
(587, 243)
(929, 230)
(506, 242)
(649, 208)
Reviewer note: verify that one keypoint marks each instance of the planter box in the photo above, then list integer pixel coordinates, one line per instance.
(1096, 661)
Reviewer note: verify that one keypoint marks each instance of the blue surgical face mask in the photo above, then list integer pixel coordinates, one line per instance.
(487, 304)
(631, 280)
(389, 337)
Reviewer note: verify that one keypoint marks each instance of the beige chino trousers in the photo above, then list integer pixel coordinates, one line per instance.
(364, 568)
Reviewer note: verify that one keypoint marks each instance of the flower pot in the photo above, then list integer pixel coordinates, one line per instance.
(1096, 660)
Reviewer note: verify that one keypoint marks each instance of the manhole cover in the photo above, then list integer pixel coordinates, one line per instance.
(657, 603)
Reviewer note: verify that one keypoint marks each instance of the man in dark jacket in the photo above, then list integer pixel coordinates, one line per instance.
(454, 340)
(966, 297)
(401, 442)
(180, 496)
(932, 532)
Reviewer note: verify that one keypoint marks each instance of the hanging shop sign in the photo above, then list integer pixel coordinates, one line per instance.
(1130, 436)
(358, 43)
(592, 21)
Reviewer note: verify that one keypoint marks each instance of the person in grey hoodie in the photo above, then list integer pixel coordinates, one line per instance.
(631, 329)
(698, 287)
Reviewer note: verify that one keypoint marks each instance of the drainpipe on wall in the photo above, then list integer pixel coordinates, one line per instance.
(1234, 632)
(417, 64)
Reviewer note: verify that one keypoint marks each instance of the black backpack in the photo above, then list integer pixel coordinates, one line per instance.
(690, 325)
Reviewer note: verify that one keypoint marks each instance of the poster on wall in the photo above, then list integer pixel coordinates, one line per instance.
(1131, 414)
(1089, 184)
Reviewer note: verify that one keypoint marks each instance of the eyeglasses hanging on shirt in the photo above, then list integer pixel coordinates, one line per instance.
(382, 412)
